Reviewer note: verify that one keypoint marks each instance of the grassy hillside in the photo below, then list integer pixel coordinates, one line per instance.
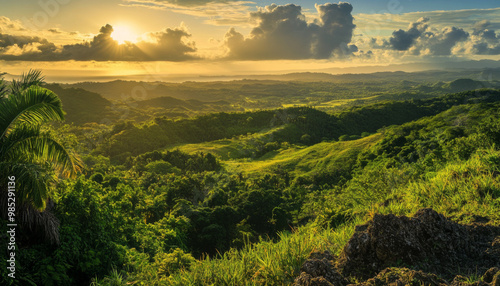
(305, 161)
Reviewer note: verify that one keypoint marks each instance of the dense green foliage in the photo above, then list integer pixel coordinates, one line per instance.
(243, 198)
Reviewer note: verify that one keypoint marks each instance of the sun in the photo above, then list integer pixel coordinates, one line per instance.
(123, 34)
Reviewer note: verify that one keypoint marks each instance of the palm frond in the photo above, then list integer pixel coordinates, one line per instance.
(34, 182)
(33, 106)
(20, 133)
(4, 89)
(31, 78)
(29, 145)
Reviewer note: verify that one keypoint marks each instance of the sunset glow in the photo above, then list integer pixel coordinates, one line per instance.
(123, 34)
(243, 37)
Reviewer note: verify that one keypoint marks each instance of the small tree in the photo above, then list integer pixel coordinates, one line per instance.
(306, 138)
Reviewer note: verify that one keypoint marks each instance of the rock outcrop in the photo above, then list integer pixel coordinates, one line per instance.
(425, 249)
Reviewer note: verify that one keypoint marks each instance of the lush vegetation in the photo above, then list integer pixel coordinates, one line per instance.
(243, 198)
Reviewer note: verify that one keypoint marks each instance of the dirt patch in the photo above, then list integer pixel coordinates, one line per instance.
(404, 276)
(427, 249)
(319, 270)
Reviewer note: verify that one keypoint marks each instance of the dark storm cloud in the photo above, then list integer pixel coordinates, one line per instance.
(283, 33)
(420, 38)
(335, 29)
(170, 46)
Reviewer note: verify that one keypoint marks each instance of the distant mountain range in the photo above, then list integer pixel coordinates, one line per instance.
(489, 74)
(219, 90)
(438, 64)
(86, 102)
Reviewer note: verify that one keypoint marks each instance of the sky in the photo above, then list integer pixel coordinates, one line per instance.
(179, 39)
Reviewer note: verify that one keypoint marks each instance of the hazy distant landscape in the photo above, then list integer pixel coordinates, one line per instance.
(233, 143)
(125, 100)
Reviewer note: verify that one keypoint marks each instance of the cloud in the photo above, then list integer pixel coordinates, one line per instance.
(425, 38)
(216, 12)
(282, 32)
(12, 46)
(382, 24)
(421, 39)
(7, 25)
(485, 40)
(441, 44)
(481, 26)
(403, 40)
(483, 48)
(168, 45)
(55, 31)
(186, 3)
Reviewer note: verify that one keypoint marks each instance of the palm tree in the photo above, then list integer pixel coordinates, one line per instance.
(30, 154)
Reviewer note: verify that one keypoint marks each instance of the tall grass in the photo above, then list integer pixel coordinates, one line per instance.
(461, 189)
(265, 263)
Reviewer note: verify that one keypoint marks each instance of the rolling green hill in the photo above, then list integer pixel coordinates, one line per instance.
(81, 106)
(301, 124)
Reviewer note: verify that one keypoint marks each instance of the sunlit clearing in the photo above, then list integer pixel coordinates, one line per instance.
(123, 34)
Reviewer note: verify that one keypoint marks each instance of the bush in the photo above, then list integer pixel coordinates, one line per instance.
(344, 137)
(306, 138)
(162, 167)
(173, 262)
